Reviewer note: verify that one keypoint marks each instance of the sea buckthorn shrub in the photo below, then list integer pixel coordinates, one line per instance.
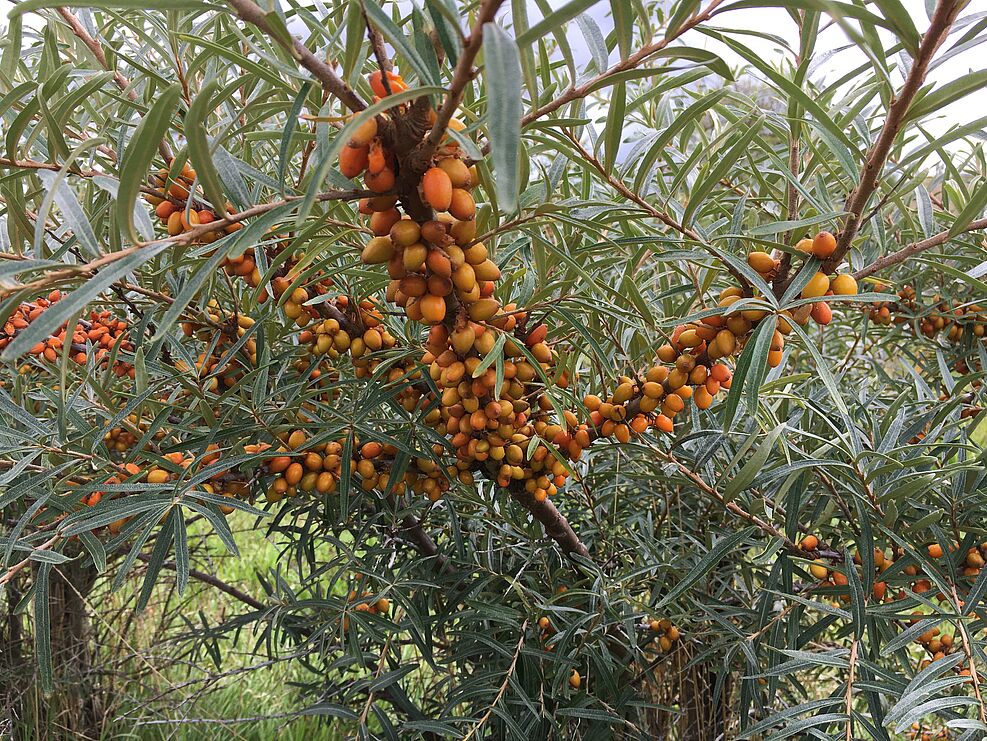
(630, 396)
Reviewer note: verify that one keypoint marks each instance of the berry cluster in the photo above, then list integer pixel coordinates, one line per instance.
(98, 336)
(933, 641)
(178, 210)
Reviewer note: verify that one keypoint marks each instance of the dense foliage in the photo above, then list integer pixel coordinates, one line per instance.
(632, 395)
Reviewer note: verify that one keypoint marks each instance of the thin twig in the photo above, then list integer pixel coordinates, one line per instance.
(915, 248)
(252, 13)
(212, 581)
(13, 570)
(663, 216)
(581, 91)
(503, 685)
(122, 82)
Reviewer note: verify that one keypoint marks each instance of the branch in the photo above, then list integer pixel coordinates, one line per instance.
(460, 79)
(736, 509)
(663, 216)
(188, 237)
(250, 12)
(380, 51)
(122, 82)
(913, 249)
(503, 685)
(556, 526)
(413, 533)
(11, 572)
(581, 91)
(942, 18)
(852, 675)
(35, 165)
(212, 581)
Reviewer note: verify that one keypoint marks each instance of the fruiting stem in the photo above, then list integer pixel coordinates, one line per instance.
(942, 19)
(460, 79)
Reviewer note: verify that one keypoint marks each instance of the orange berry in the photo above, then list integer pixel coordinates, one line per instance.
(164, 210)
(823, 245)
(437, 189)
(821, 313)
(433, 308)
(809, 543)
(353, 160)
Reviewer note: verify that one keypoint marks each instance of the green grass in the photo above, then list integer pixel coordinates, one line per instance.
(159, 707)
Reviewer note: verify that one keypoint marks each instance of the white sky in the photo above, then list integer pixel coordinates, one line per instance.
(776, 21)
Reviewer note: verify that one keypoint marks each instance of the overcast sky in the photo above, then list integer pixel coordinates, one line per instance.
(776, 21)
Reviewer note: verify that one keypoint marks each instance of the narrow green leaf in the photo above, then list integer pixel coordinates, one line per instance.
(754, 463)
(949, 93)
(29, 6)
(972, 210)
(741, 372)
(42, 624)
(503, 77)
(198, 146)
(552, 22)
(140, 153)
(716, 554)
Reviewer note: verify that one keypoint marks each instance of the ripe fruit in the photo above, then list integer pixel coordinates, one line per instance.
(823, 245)
(762, 262)
(457, 171)
(575, 681)
(818, 569)
(844, 284)
(394, 81)
(433, 308)
(461, 205)
(821, 313)
(816, 287)
(437, 189)
(353, 160)
(378, 250)
(809, 543)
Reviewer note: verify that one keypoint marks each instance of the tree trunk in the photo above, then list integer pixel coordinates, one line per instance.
(75, 707)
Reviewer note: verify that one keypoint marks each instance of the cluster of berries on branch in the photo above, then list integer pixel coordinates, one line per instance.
(102, 336)
(178, 210)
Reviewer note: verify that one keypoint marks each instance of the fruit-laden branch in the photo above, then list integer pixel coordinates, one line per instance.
(915, 248)
(460, 79)
(122, 82)
(252, 13)
(192, 235)
(556, 525)
(942, 19)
